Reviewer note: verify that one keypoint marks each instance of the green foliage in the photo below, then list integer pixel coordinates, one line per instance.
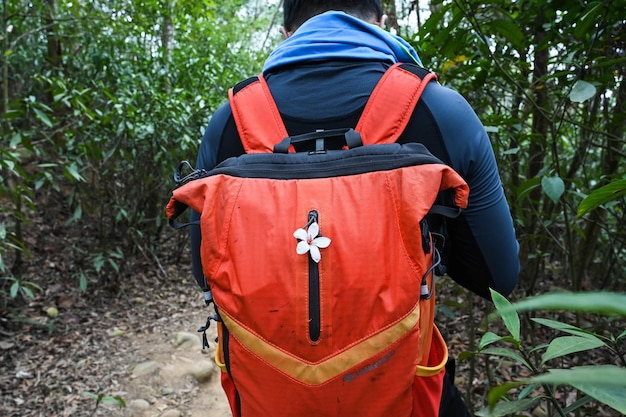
(610, 192)
(105, 399)
(18, 287)
(606, 383)
(101, 100)
(547, 79)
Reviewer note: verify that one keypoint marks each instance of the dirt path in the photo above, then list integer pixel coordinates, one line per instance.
(142, 347)
(174, 377)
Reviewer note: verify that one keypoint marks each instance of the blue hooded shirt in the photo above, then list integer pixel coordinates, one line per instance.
(337, 35)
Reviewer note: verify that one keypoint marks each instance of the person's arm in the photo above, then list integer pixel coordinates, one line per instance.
(484, 250)
(207, 159)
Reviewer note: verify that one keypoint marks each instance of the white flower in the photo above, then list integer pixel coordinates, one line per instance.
(309, 241)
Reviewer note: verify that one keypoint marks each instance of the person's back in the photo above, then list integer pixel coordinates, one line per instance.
(322, 76)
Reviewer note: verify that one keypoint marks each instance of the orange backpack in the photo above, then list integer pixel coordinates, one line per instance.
(321, 264)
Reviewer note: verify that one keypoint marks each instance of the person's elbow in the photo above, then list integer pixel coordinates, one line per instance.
(507, 276)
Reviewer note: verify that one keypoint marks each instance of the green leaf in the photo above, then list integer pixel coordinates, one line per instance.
(621, 335)
(606, 303)
(464, 355)
(509, 30)
(509, 315)
(487, 339)
(511, 151)
(71, 172)
(564, 327)
(28, 292)
(82, 282)
(605, 383)
(89, 394)
(614, 397)
(602, 195)
(14, 289)
(562, 346)
(576, 405)
(506, 353)
(600, 375)
(43, 117)
(507, 407)
(554, 187)
(587, 20)
(78, 213)
(496, 393)
(527, 187)
(114, 400)
(582, 91)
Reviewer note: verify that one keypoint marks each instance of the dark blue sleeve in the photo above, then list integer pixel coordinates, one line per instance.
(207, 159)
(483, 238)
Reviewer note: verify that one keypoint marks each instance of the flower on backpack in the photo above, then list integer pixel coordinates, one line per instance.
(310, 241)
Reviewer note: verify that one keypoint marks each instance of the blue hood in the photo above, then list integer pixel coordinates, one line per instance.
(337, 35)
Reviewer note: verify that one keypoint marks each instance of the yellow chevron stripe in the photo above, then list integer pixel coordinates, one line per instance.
(320, 372)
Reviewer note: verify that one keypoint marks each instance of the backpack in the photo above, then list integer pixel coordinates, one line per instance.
(321, 262)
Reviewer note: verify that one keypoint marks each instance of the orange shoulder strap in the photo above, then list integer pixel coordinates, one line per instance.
(384, 118)
(391, 105)
(257, 118)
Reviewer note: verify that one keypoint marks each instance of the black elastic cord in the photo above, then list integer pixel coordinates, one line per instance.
(351, 137)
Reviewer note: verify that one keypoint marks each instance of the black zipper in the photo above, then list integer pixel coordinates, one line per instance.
(314, 291)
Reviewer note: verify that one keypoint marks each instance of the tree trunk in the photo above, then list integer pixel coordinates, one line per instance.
(5, 61)
(540, 123)
(54, 45)
(167, 33)
(389, 8)
(536, 155)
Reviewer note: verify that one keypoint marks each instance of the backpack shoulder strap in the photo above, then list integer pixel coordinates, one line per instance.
(383, 120)
(391, 104)
(256, 115)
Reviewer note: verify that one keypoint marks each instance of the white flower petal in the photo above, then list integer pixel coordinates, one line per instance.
(315, 254)
(303, 247)
(321, 242)
(300, 234)
(314, 230)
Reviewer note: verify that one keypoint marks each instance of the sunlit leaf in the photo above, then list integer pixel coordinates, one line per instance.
(582, 91)
(602, 195)
(605, 383)
(487, 339)
(606, 303)
(565, 345)
(509, 316)
(512, 151)
(564, 327)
